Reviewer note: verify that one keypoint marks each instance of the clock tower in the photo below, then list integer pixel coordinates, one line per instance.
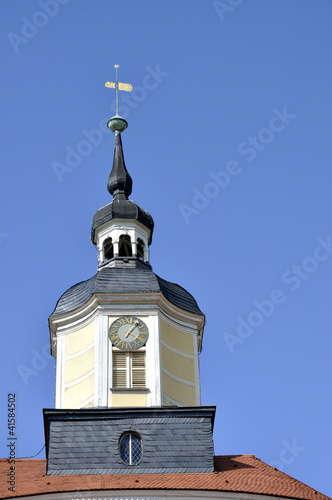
(125, 337)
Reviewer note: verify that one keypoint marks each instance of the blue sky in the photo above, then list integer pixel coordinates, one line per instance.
(229, 147)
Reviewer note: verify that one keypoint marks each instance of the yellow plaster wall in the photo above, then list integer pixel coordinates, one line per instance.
(80, 339)
(78, 393)
(181, 341)
(90, 405)
(127, 399)
(79, 365)
(177, 365)
(179, 391)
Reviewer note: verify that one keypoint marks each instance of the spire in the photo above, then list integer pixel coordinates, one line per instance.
(121, 229)
(119, 181)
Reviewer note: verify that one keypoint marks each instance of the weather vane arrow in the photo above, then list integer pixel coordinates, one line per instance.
(118, 86)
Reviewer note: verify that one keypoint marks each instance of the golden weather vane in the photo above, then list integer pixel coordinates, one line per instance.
(118, 86)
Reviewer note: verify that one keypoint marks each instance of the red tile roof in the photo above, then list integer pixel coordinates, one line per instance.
(234, 473)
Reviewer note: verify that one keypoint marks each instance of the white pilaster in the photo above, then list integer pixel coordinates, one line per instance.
(60, 371)
(101, 360)
(116, 248)
(153, 362)
(196, 368)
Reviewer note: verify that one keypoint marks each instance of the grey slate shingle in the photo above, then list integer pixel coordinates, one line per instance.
(140, 279)
(87, 441)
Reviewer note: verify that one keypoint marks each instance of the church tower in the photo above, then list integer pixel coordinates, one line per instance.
(125, 337)
(126, 345)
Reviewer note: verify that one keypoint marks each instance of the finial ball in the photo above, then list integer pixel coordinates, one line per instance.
(117, 123)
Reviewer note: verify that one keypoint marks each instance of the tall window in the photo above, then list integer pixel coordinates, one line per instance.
(128, 369)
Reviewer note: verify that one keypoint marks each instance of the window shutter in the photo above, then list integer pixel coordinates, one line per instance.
(119, 370)
(138, 369)
(135, 361)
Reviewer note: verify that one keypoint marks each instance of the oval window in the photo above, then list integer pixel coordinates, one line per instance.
(130, 448)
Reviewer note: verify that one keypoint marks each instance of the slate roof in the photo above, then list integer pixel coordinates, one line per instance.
(121, 209)
(140, 279)
(232, 473)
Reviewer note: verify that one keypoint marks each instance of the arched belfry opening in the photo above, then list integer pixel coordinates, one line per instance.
(125, 248)
(108, 249)
(140, 249)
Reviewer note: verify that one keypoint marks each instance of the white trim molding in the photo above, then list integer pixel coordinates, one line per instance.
(157, 494)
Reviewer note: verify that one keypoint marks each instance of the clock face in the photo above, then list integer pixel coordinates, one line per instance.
(128, 333)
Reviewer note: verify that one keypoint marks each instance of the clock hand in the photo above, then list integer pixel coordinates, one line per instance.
(136, 336)
(132, 328)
